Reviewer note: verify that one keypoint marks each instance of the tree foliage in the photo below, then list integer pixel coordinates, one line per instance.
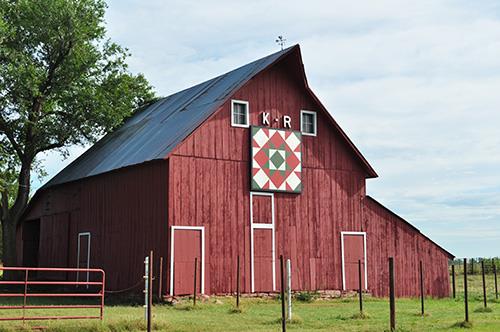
(62, 82)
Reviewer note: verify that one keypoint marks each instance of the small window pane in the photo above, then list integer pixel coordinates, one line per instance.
(308, 123)
(240, 114)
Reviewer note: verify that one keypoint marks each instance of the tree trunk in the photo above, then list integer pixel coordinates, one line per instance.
(9, 243)
(11, 219)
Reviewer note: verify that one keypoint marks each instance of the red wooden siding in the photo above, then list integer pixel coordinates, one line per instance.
(126, 213)
(388, 235)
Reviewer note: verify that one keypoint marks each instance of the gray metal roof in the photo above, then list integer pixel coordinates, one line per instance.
(155, 131)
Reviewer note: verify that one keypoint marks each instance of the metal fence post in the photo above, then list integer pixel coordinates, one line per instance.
(360, 287)
(283, 319)
(146, 287)
(289, 287)
(466, 302)
(453, 280)
(238, 282)
(150, 289)
(484, 284)
(496, 282)
(422, 294)
(392, 301)
(195, 275)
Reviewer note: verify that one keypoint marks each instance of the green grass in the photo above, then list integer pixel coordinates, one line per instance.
(264, 315)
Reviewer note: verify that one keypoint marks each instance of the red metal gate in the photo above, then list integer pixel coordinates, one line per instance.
(25, 294)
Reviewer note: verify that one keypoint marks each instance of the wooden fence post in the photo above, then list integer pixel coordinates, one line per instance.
(472, 266)
(484, 284)
(160, 280)
(392, 301)
(453, 280)
(422, 295)
(465, 292)
(360, 288)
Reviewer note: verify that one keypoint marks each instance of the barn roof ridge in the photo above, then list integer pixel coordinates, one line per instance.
(407, 223)
(153, 132)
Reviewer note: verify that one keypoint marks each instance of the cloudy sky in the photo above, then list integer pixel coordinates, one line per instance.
(415, 84)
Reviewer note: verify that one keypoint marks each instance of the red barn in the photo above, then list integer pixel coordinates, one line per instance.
(247, 164)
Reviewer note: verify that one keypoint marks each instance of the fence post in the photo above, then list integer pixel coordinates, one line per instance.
(160, 281)
(283, 319)
(392, 301)
(289, 287)
(195, 275)
(238, 282)
(472, 266)
(484, 284)
(422, 294)
(453, 279)
(496, 282)
(150, 290)
(360, 288)
(146, 287)
(465, 292)
(25, 292)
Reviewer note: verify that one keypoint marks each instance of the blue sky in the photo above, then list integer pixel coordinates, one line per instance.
(415, 84)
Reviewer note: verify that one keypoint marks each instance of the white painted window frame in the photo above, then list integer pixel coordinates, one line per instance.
(78, 255)
(246, 103)
(270, 226)
(315, 123)
(172, 237)
(364, 251)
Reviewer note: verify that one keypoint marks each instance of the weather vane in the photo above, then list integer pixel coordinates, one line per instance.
(281, 41)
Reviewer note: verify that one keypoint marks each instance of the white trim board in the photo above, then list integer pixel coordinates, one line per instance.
(192, 228)
(364, 252)
(78, 255)
(262, 226)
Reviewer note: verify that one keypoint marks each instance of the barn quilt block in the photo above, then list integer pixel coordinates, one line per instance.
(276, 160)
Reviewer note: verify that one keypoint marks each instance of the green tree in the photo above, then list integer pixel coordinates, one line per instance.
(62, 82)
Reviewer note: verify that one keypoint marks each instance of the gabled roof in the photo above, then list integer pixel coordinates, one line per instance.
(154, 132)
(450, 255)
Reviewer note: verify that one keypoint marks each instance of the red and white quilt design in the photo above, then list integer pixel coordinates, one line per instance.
(276, 160)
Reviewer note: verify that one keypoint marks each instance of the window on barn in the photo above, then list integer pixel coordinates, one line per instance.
(308, 123)
(240, 114)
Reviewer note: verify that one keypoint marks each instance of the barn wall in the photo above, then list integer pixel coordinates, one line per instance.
(125, 211)
(209, 185)
(389, 235)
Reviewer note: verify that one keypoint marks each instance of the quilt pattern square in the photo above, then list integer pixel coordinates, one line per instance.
(276, 160)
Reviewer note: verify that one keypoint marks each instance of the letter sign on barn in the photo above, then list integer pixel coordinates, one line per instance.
(249, 164)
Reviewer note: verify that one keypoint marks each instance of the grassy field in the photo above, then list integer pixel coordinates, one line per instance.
(319, 315)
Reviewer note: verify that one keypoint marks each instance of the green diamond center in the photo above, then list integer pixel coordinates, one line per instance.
(277, 159)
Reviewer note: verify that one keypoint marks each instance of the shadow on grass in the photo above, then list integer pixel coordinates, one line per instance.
(483, 310)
